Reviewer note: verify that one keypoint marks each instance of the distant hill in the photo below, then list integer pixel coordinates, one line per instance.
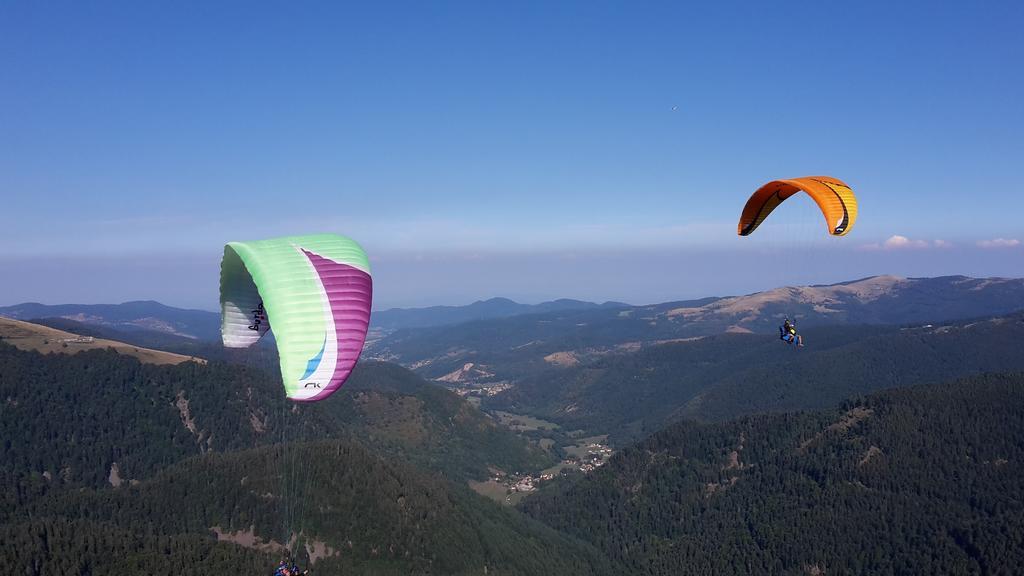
(925, 480)
(30, 336)
(633, 394)
(874, 300)
(397, 318)
(510, 347)
(142, 315)
(137, 336)
(421, 335)
(149, 319)
(263, 355)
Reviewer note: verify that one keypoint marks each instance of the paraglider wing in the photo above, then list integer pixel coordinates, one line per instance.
(833, 196)
(315, 291)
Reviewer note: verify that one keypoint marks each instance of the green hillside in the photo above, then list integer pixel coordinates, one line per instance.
(113, 466)
(397, 412)
(97, 417)
(340, 509)
(924, 480)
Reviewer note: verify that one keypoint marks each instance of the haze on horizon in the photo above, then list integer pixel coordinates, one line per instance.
(583, 150)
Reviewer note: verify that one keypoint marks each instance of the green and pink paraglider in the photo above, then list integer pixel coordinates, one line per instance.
(315, 291)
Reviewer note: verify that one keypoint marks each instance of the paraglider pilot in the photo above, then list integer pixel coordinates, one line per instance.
(288, 568)
(787, 332)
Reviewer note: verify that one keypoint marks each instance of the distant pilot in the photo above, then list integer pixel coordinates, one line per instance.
(787, 332)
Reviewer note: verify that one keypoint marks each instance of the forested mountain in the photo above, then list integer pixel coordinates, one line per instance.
(634, 394)
(340, 509)
(507, 348)
(85, 419)
(397, 412)
(923, 480)
(113, 466)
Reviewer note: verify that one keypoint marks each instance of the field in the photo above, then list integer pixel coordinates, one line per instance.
(496, 491)
(581, 448)
(522, 422)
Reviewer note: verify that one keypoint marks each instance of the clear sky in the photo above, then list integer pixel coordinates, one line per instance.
(535, 150)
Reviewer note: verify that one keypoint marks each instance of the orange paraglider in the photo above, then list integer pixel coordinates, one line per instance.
(833, 196)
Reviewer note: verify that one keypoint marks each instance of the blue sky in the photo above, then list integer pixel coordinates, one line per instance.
(598, 150)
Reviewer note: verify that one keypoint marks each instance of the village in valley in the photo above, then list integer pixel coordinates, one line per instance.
(580, 455)
(592, 455)
(583, 456)
(510, 487)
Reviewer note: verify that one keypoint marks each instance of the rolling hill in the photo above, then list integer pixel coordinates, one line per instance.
(633, 394)
(139, 315)
(31, 336)
(509, 348)
(399, 318)
(178, 324)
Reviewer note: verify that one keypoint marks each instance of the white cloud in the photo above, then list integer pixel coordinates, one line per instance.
(897, 242)
(999, 243)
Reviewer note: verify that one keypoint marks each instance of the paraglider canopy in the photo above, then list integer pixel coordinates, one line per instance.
(835, 199)
(315, 291)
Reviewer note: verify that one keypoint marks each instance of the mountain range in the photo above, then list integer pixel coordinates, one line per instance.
(874, 300)
(138, 316)
(736, 453)
(509, 348)
(153, 320)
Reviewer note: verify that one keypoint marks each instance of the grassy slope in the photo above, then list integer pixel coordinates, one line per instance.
(43, 339)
